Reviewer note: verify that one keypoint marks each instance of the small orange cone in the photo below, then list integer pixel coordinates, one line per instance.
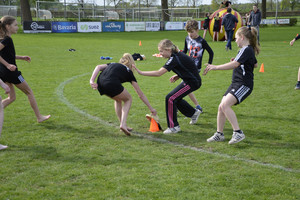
(154, 126)
(140, 44)
(262, 68)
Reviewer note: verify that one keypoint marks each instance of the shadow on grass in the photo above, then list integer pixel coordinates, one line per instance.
(51, 154)
(268, 118)
(96, 129)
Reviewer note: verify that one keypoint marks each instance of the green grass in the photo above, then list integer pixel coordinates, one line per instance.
(76, 156)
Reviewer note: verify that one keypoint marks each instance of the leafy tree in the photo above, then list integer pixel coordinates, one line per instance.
(215, 4)
(294, 3)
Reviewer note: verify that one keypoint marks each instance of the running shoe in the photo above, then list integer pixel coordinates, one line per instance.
(176, 129)
(195, 117)
(217, 137)
(236, 137)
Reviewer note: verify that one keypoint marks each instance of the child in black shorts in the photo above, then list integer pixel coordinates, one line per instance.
(9, 72)
(242, 83)
(109, 83)
(206, 24)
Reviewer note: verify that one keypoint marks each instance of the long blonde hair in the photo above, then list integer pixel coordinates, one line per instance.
(251, 34)
(168, 45)
(5, 20)
(127, 60)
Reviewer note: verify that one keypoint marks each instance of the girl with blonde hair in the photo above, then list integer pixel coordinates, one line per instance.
(109, 82)
(184, 67)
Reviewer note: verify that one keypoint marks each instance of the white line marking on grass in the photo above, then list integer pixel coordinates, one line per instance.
(60, 94)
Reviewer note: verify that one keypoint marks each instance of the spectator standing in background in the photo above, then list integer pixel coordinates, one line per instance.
(255, 19)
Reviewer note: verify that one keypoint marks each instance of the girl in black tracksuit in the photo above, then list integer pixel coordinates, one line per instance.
(184, 67)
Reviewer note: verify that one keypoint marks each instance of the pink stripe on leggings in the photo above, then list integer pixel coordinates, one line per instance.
(170, 104)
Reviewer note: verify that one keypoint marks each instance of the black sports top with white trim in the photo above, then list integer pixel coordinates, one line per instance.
(244, 72)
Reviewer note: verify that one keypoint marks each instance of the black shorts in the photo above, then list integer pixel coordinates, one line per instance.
(239, 91)
(13, 77)
(216, 28)
(110, 89)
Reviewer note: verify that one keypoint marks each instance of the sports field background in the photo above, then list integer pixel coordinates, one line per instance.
(81, 154)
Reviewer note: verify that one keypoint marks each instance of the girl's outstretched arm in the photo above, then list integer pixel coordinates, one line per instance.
(96, 71)
(143, 97)
(226, 66)
(157, 73)
(26, 58)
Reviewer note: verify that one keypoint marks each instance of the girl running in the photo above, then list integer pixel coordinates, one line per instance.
(9, 72)
(110, 81)
(242, 83)
(185, 68)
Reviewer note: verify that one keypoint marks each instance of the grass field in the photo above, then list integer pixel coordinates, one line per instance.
(81, 154)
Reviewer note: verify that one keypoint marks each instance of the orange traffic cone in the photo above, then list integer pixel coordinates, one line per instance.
(140, 44)
(262, 69)
(154, 126)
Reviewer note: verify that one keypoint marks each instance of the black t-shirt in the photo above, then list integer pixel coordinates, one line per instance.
(244, 72)
(116, 72)
(7, 53)
(185, 68)
(206, 21)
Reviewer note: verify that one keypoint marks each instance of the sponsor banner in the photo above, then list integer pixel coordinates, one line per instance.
(171, 26)
(64, 27)
(273, 21)
(283, 21)
(113, 26)
(135, 26)
(86, 27)
(199, 24)
(268, 21)
(36, 27)
(152, 26)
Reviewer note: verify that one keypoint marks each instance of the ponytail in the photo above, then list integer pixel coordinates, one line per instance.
(127, 60)
(168, 44)
(251, 34)
(5, 20)
(253, 41)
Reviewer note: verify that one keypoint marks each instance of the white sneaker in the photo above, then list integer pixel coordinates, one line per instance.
(217, 137)
(3, 147)
(195, 116)
(176, 129)
(236, 137)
